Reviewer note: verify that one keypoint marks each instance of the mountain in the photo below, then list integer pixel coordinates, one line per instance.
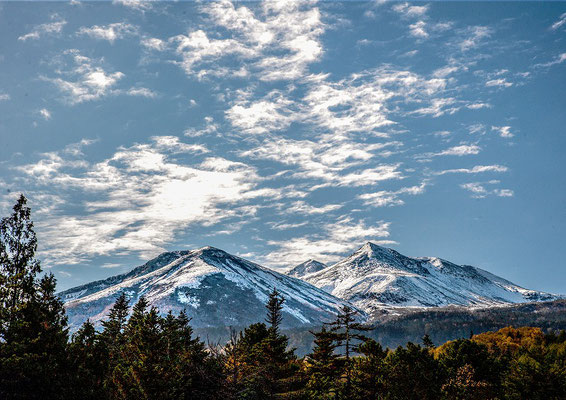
(308, 267)
(216, 289)
(375, 279)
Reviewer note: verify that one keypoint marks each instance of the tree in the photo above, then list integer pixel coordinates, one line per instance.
(18, 266)
(33, 331)
(412, 373)
(464, 386)
(369, 371)
(274, 306)
(347, 335)
(88, 363)
(323, 366)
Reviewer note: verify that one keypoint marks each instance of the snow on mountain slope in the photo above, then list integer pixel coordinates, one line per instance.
(308, 267)
(216, 289)
(377, 278)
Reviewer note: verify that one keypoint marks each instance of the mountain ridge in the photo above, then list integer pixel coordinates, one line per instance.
(375, 278)
(214, 287)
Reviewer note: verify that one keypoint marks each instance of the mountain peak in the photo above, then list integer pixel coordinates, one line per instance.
(308, 267)
(215, 288)
(375, 277)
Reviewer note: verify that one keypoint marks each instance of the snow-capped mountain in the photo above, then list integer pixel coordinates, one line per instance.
(375, 278)
(215, 288)
(308, 267)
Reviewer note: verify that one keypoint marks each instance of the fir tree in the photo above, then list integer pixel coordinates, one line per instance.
(348, 335)
(33, 332)
(323, 366)
(274, 306)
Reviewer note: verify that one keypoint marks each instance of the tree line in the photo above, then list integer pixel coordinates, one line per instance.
(138, 353)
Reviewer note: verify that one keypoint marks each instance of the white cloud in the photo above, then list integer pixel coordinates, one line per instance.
(357, 104)
(557, 60)
(75, 149)
(43, 29)
(478, 106)
(385, 198)
(110, 32)
(475, 170)
(477, 129)
(438, 107)
(4, 97)
(334, 240)
(327, 161)
(406, 10)
(85, 80)
(479, 190)
(561, 21)
(278, 42)
(138, 199)
(501, 82)
(154, 44)
(44, 112)
(462, 150)
(142, 92)
(474, 36)
(302, 207)
(269, 114)
(418, 29)
(138, 5)
(504, 131)
(210, 128)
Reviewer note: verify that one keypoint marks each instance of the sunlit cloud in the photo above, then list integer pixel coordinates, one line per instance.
(84, 79)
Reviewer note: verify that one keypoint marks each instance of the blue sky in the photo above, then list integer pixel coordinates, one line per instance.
(287, 131)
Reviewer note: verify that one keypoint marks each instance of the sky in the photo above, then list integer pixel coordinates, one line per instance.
(285, 131)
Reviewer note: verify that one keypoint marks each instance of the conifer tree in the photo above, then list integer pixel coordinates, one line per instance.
(87, 363)
(369, 371)
(274, 306)
(348, 335)
(33, 332)
(18, 266)
(324, 366)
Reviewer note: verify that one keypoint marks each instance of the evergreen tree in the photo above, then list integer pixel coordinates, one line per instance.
(88, 364)
(412, 373)
(323, 366)
(347, 333)
(369, 371)
(33, 332)
(427, 342)
(274, 306)
(18, 266)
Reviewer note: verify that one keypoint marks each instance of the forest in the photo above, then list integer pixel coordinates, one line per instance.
(139, 353)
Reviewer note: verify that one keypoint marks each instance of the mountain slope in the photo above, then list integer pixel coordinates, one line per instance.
(375, 278)
(216, 289)
(308, 267)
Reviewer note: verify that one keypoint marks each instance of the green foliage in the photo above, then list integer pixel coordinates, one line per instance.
(412, 373)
